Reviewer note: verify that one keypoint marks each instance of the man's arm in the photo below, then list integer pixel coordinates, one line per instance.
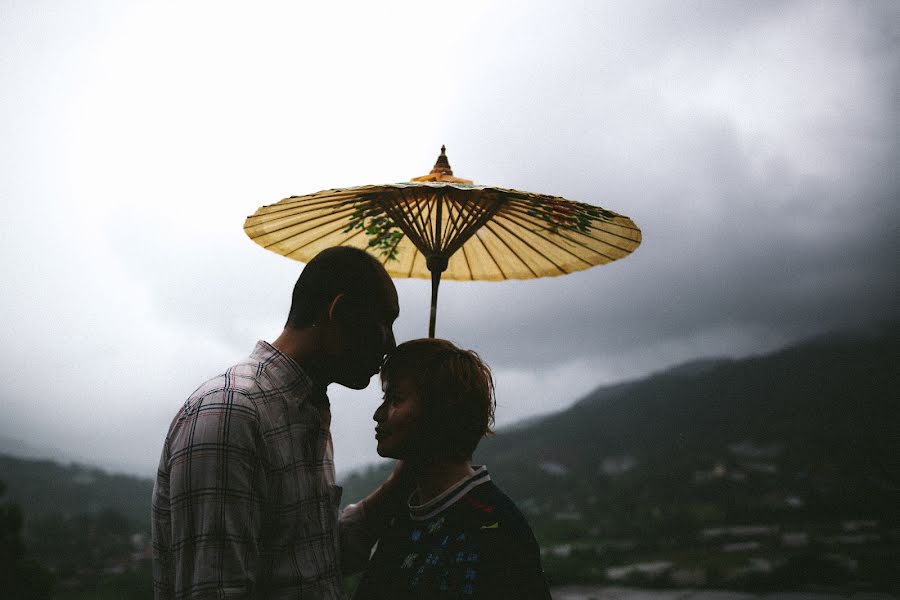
(216, 490)
(363, 523)
(161, 531)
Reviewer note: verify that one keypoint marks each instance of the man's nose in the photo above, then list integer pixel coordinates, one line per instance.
(379, 413)
(389, 342)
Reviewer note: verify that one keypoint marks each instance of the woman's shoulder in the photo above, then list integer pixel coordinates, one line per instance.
(497, 512)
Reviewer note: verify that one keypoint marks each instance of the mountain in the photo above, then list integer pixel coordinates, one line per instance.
(45, 487)
(828, 407)
(18, 447)
(89, 527)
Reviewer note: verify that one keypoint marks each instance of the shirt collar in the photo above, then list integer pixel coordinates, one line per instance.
(285, 369)
(448, 497)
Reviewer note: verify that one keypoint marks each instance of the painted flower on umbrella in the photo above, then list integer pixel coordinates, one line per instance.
(574, 216)
(383, 234)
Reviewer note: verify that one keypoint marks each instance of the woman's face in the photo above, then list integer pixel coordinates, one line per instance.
(400, 428)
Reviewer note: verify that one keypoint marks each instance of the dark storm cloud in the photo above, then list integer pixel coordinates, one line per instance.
(755, 144)
(789, 254)
(771, 210)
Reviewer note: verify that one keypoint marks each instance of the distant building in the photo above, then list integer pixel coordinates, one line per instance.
(652, 570)
(795, 539)
(553, 468)
(617, 465)
(688, 577)
(749, 449)
(741, 546)
(568, 515)
(859, 525)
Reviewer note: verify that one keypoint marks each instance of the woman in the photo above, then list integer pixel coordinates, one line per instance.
(459, 536)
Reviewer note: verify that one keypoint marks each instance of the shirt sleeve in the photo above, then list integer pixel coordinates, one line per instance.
(214, 481)
(356, 538)
(161, 532)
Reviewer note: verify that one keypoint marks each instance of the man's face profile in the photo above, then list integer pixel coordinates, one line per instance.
(366, 334)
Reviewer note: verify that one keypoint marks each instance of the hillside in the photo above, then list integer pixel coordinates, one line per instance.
(45, 487)
(826, 409)
(89, 527)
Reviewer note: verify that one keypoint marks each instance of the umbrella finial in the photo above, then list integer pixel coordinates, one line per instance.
(442, 166)
(442, 171)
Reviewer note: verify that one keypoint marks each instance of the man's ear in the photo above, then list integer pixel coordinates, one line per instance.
(337, 306)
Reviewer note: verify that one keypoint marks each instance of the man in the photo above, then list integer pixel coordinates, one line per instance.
(245, 503)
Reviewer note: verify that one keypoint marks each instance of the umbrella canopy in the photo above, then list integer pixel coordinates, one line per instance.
(439, 225)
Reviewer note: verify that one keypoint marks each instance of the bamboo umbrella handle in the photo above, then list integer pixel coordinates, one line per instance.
(437, 265)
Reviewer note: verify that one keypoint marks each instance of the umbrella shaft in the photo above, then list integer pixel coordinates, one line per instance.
(435, 282)
(437, 264)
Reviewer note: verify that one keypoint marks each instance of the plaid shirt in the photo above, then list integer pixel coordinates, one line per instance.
(245, 503)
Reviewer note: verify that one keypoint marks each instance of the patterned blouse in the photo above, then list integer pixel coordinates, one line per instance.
(469, 543)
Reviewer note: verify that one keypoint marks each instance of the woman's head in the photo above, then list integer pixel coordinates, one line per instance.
(439, 401)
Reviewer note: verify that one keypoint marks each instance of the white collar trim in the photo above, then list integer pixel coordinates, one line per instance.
(448, 497)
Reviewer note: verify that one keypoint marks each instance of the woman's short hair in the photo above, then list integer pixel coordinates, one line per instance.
(456, 390)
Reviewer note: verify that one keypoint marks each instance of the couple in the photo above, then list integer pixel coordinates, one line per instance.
(245, 503)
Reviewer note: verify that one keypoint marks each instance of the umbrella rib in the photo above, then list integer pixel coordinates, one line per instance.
(348, 238)
(460, 218)
(517, 206)
(303, 208)
(397, 213)
(412, 263)
(268, 226)
(484, 215)
(468, 220)
(319, 223)
(314, 240)
(309, 200)
(491, 254)
(417, 222)
(520, 220)
(520, 201)
(513, 252)
(466, 260)
(550, 240)
(453, 216)
(300, 210)
(532, 248)
(423, 218)
(449, 226)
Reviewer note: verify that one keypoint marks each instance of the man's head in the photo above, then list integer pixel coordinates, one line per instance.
(346, 294)
(438, 403)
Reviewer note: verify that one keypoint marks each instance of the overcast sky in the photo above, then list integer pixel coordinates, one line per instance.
(755, 144)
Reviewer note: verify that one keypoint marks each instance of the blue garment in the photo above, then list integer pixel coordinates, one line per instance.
(471, 542)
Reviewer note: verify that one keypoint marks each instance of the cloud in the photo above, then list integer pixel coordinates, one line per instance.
(754, 144)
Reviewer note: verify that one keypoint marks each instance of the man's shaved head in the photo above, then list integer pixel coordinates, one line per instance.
(339, 270)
